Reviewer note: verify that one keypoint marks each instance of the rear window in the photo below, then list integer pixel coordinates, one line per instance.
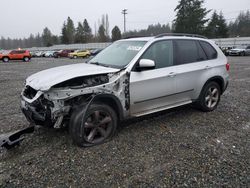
(209, 50)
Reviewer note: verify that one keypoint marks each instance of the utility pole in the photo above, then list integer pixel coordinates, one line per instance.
(124, 12)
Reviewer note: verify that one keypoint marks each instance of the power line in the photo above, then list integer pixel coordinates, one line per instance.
(124, 12)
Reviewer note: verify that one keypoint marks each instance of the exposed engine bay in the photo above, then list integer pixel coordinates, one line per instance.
(53, 107)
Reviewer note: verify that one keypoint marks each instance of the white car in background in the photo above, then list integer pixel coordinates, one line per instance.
(240, 51)
(49, 54)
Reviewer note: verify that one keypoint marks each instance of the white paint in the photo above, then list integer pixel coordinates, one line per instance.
(44, 80)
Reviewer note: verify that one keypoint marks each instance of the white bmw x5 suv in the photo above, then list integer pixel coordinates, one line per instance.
(130, 78)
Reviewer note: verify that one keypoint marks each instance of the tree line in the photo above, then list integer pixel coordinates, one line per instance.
(191, 17)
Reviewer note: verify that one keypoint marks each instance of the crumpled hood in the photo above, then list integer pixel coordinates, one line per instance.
(44, 80)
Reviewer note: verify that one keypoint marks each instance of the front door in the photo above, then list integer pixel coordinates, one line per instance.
(153, 89)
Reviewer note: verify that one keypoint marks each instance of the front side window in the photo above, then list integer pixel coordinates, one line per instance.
(119, 54)
(161, 53)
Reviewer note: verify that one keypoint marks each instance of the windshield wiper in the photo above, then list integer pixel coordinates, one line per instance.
(97, 63)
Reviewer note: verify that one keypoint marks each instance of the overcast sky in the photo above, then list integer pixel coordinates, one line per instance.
(19, 18)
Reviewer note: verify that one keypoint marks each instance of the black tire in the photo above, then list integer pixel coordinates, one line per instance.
(242, 54)
(209, 97)
(96, 127)
(5, 59)
(26, 59)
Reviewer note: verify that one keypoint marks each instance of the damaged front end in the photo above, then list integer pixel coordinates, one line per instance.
(54, 106)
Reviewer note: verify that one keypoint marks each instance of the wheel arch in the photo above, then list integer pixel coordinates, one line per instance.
(111, 101)
(6, 57)
(219, 80)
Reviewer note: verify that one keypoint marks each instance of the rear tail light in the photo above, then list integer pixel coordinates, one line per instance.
(227, 66)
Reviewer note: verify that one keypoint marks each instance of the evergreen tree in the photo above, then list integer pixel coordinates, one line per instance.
(105, 23)
(47, 37)
(241, 26)
(190, 17)
(101, 34)
(222, 27)
(217, 26)
(68, 32)
(87, 31)
(116, 33)
(55, 39)
(38, 40)
(64, 37)
(212, 27)
(79, 37)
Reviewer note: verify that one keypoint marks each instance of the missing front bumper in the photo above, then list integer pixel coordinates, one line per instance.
(10, 140)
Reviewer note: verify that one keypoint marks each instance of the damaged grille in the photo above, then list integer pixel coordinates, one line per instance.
(29, 92)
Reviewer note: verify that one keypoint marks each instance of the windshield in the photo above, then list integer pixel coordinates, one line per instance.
(119, 54)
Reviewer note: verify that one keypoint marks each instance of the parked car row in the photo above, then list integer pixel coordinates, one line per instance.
(25, 55)
(71, 53)
(236, 50)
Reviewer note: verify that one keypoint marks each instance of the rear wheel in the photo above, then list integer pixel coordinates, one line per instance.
(26, 59)
(74, 56)
(6, 59)
(242, 54)
(96, 127)
(209, 97)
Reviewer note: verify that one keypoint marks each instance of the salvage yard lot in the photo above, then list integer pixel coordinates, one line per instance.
(179, 147)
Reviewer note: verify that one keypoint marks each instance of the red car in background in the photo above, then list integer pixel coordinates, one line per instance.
(16, 55)
(63, 53)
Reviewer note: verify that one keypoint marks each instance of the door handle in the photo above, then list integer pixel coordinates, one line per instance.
(207, 67)
(171, 74)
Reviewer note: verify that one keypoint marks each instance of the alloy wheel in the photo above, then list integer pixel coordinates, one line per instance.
(212, 97)
(97, 127)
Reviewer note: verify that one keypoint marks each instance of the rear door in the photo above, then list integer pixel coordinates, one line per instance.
(153, 89)
(192, 68)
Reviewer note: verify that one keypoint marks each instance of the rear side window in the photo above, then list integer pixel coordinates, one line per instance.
(209, 50)
(188, 51)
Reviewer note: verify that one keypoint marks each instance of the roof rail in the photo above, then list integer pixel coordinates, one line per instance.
(131, 37)
(180, 34)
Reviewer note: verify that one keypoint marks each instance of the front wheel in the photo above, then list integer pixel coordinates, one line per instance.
(209, 97)
(96, 127)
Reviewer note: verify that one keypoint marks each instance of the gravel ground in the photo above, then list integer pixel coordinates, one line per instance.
(182, 147)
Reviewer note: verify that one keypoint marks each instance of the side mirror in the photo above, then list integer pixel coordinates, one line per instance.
(145, 64)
